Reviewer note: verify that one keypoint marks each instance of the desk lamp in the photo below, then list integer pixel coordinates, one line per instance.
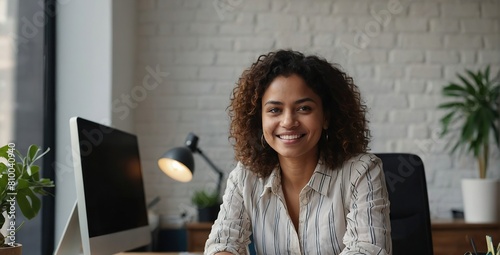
(178, 163)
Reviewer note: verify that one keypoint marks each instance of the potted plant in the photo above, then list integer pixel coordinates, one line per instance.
(208, 205)
(471, 122)
(20, 184)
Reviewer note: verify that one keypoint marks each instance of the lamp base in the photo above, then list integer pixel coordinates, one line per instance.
(208, 214)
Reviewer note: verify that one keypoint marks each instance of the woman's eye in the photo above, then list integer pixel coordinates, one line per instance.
(273, 110)
(304, 108)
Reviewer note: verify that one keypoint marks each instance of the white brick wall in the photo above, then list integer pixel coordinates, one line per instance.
(399, 52)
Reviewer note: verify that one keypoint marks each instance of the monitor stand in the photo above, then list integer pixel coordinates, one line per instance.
(71, 240)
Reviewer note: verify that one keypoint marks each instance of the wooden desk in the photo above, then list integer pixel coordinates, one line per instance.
(197, 235)
(450, 237)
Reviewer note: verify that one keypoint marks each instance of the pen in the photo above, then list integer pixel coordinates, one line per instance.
(473, 246)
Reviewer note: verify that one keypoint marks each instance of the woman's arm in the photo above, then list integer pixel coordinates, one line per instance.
(368, 224)
(230, 233)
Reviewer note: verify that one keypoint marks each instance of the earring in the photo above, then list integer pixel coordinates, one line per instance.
(262, 141)
(326, 134)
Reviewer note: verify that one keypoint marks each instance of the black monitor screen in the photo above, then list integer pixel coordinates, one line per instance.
(112, 176)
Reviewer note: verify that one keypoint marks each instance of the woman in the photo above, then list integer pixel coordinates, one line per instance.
(304, 183)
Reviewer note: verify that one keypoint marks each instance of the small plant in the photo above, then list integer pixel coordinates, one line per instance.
(20, 184)
(473, 115)
(204, 199)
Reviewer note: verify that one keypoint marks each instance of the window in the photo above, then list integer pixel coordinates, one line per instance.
(7, 27)
(27, 99)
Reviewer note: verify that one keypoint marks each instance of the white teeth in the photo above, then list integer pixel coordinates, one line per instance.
(289, 137)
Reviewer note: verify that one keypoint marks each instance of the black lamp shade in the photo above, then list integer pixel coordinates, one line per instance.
(178, 163)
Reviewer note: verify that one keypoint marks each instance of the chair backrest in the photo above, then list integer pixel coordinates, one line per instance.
(410, 217)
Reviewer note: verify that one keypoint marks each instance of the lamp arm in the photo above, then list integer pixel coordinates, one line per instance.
(215, 168)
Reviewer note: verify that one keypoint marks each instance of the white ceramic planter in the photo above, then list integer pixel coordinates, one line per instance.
(481, 200)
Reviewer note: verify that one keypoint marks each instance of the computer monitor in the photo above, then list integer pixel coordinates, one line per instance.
(110, 213)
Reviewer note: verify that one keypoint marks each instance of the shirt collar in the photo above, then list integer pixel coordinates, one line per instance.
(273, 182)
(320, 180)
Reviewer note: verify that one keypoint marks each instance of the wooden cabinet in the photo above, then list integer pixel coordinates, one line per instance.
(451, 237)
(197, 234)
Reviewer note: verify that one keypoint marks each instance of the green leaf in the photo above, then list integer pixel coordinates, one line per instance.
(41, 155)
(451, 105)
(477, 78)
(453, 94)
(3, 152)
(19, 169)
(22, 184)
(32, 151)
(454, 87)
(470, 89)
(3, 168)
(455, 90)
(490, 116)
(203, 199)
(474, 147)
(4, 180)
(446, 120)
(487, 72)
(29, 203)
(33, 170)
(468, 129)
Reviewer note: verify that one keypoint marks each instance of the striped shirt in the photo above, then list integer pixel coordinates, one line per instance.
(342, 211)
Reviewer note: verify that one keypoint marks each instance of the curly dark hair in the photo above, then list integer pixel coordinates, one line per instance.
(347, 132)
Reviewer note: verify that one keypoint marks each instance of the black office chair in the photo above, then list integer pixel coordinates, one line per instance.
(410, 217)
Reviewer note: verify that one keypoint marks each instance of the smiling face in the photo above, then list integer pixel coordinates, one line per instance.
(292, 118)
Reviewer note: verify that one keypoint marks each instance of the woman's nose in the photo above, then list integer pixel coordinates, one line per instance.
(289, 120)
